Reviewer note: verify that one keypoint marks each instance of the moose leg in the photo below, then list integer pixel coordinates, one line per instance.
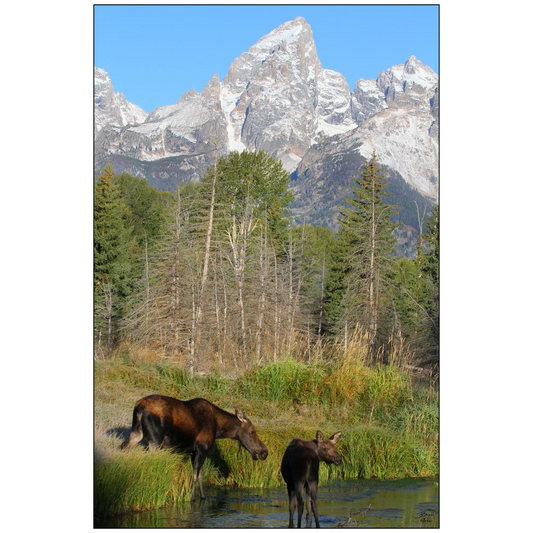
(134, 439)
(308, 506)
(312, 497)
(136, 434)
(198, 458)
(300, 501)
(292, 505)
(153, 430)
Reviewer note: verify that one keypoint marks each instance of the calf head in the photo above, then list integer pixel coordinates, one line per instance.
(327, 448)
(247, 436)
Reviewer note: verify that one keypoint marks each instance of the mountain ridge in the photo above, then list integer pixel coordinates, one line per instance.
(277, 97)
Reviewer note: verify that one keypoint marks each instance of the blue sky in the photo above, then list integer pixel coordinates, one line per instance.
(154, 54)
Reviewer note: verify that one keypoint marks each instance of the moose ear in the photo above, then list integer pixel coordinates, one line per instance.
(335, 438)
(240, 414)
(319, 436)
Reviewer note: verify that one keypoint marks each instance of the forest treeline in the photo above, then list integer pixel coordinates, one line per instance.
(216, 276)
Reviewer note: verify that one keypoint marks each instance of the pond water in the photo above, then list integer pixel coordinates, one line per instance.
(409, 503)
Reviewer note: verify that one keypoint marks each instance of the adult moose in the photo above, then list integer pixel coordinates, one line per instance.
(299, 468)
(191, 426)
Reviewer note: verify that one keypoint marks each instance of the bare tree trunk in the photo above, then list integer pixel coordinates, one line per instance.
(300, 276)
(175, 292)
(322, 294)
(108, 293)
(308, 338)
(225, 320)
(217, 316)
(99, 345)
(420, 225)
(192, 339)
(263, 265)
(291, 287)
(276, 308)
(372, 296)
(197, 307)
(238, 239)
(345, 338)
(205, 270)
(294, 293)
(241, 307)
(146, 278)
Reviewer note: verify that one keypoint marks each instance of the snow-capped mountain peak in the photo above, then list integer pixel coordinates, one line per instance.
(277, 97)
(288, 32)
(112, 108)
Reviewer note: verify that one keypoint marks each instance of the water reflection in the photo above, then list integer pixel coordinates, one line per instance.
(361, 503)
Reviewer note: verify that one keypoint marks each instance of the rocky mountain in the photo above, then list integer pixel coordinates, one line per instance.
(277, 97)
(112, 108)
(397, 117)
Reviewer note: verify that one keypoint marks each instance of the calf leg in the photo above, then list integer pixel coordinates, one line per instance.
(308, 506)
(292, 505)
(300, 501)
(312, 497)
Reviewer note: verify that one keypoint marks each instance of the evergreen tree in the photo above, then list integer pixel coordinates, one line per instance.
(148, 208)
(367, 249)
(430, 259)
(114, 252)
(416, 295)
(148, 212)
(219, 285)
(318, 246)
(430, 264)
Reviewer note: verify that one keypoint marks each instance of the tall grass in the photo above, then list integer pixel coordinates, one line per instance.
(370, 392)
(136, 481)
(242, 471)
(390, 428)
(139, 480)
(380, 453)
(287, 381)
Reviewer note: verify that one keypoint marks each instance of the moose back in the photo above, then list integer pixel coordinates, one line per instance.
(299, 468)
(191, 426)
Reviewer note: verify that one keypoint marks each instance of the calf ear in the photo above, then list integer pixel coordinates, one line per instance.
(319, 436)
(240, 414)
(335, 438)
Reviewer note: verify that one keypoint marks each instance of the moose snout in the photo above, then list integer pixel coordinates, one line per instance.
(263, 454)
(338, 460)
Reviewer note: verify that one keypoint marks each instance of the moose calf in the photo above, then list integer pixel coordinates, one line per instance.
(299, 468)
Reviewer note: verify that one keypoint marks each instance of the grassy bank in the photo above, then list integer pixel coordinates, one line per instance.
(389, 425)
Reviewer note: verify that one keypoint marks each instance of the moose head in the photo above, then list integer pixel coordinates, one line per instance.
(327, 448)
(247, 437)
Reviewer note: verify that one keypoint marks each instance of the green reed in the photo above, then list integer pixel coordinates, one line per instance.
(137, 480)
(390, 429)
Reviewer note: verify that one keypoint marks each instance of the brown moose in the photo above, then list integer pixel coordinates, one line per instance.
(299, 468)
(191, 426)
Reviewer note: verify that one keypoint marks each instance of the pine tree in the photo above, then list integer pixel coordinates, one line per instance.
(431, 250)
(114, 251)
(148, 208)
(416, 295)
(430, 262)
(367, 246)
